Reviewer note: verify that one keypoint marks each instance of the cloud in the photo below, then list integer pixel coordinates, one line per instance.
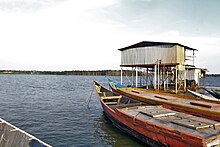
(25, 5)
(208, 47)
(66, 35)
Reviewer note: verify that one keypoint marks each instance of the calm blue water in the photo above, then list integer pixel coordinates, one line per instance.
(52, 109)
(212, 81)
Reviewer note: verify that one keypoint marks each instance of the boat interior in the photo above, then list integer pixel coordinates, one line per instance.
(157, 115)
(114, 100)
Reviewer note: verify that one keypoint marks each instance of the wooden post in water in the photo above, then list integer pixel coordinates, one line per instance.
(184, 78)
(136, 76)
(164, 76)
(155, 77)
(147, 79)
(167, 77)
(121, 76)
(132, 77)
(158, 75)
(176, 80)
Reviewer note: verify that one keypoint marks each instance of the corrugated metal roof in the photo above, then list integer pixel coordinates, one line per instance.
(151, 43)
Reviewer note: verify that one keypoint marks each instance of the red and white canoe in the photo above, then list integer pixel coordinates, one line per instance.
(156, 125)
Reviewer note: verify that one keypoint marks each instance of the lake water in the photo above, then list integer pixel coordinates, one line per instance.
(52, 108)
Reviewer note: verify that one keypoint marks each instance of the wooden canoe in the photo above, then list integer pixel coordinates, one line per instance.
(214, 93)
(11, 136)
(200, 107)
(156, 125)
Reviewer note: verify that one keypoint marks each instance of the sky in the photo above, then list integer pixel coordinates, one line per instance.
(63, 35)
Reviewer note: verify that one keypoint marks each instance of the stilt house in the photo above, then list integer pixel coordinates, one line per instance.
(162, 64)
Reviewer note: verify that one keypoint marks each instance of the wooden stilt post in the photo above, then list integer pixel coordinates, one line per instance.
(184, 78)
(155, 77)
(158, 75)
(176, 78)
(140, 79)
(136, 76)
(198, 84)
(121, 76)
(164, 76)
(132, 77)
(193, 57)
(147, 79)
(167, 77)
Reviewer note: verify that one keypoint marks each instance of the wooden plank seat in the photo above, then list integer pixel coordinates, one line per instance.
(158, 112)
(111, 100)
(111, 97)
(111, 103)
(127, 105)
(195, 124)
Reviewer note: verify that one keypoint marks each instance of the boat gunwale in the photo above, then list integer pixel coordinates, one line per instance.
(189, 108)
(168, 94)
(147, 122)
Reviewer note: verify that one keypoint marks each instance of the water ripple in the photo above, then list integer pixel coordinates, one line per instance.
(52, 108)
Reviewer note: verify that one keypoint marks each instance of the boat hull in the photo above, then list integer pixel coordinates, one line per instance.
(156, 125)
(181, 104)
(12, 136)
(129, 130)
(151, 135)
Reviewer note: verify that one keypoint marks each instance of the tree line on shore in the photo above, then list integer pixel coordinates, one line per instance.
(76, 72)
(73, 72)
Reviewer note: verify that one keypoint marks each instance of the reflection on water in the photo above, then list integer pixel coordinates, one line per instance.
(52, 109)
(112, 135)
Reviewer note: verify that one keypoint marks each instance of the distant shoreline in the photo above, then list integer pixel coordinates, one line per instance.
(77, 72)
(73, 72)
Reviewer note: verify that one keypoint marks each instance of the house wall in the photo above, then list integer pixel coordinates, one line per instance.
(168, 54)
(193, 74)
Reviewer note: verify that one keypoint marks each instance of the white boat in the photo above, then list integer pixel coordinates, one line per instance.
(202, 95)
(11, 136)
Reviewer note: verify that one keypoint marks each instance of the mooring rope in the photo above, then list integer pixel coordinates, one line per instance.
(90, 96)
